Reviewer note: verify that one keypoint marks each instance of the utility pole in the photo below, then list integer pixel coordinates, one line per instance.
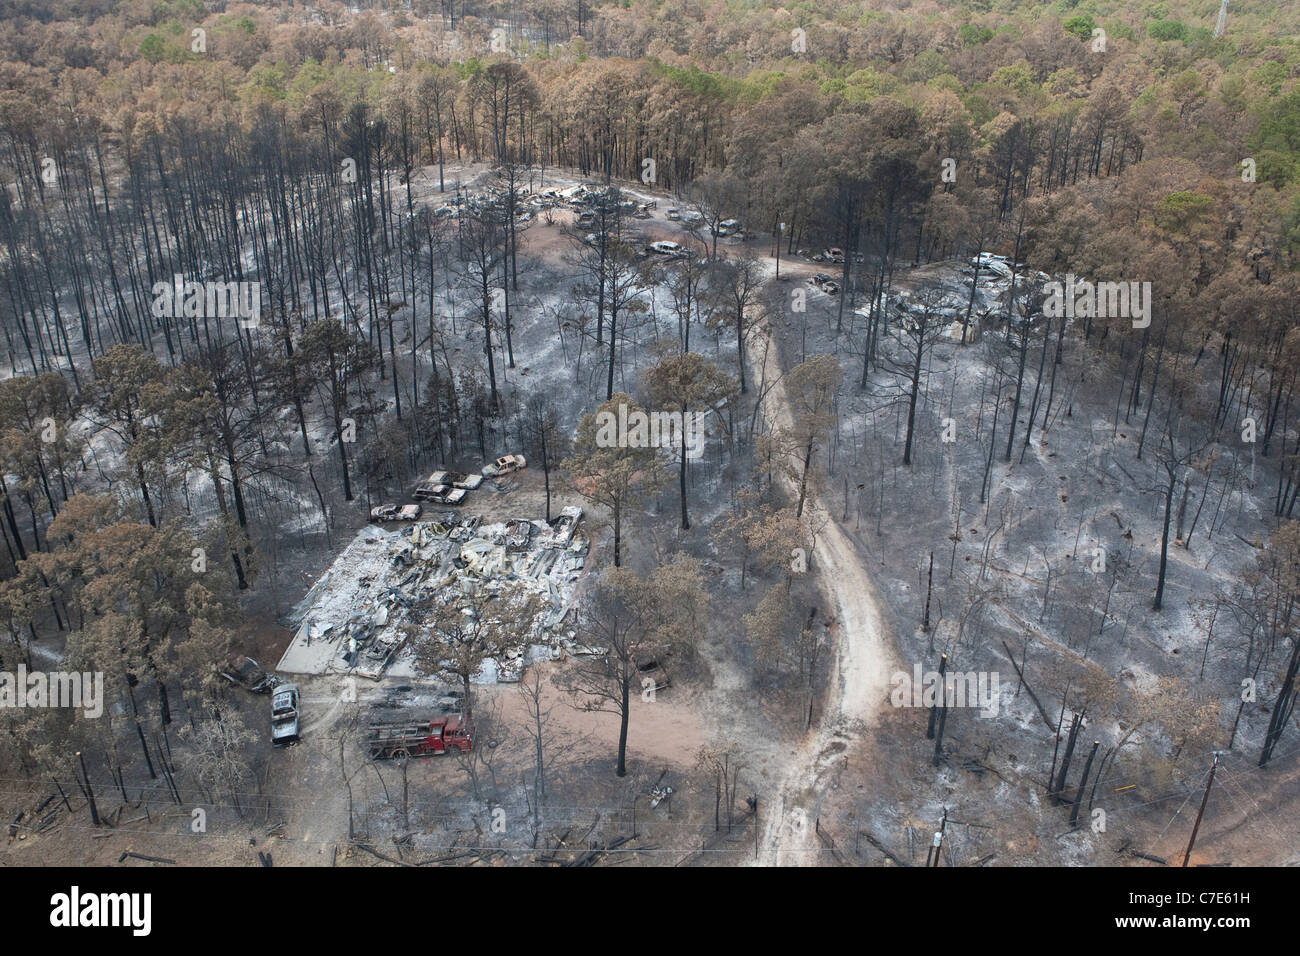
(933, 853)
(1208, 783)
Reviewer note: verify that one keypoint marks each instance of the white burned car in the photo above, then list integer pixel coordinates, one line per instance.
(986, 262)
(444, 494)
(668, 248)
(504, 466)
(394, 513)
(284, 714)
(456, 479)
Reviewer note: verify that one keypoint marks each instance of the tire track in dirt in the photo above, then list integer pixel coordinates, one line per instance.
(860, 674)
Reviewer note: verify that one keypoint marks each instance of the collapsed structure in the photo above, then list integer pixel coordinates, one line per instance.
(363, 614)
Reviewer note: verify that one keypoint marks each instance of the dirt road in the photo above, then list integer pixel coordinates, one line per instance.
(860, 674)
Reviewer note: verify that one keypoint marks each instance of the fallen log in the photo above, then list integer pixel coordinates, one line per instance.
(881, 847)
(589, 857)
(1148, 856)
(141, 856)
(446, 859)
(383, 856)
(1032, 696)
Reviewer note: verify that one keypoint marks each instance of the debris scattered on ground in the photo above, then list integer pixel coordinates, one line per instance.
(362, 615)
(248, 674)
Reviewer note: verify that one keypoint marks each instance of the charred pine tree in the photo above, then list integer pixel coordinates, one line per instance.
(1075, 723)
(943, 667)
(1078, 795)
(1283, 707)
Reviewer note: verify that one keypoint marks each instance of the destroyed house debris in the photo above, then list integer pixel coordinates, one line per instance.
(369, 611)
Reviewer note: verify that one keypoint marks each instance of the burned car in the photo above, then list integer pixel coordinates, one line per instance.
(247, 673)
(441, 494)
(504, 466)
(438, 489)
(284, 714)
(456, 479)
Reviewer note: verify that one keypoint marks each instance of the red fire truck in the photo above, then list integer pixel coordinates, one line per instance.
(437, 736)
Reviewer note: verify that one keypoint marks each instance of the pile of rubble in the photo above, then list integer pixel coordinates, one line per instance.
(362, 614)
